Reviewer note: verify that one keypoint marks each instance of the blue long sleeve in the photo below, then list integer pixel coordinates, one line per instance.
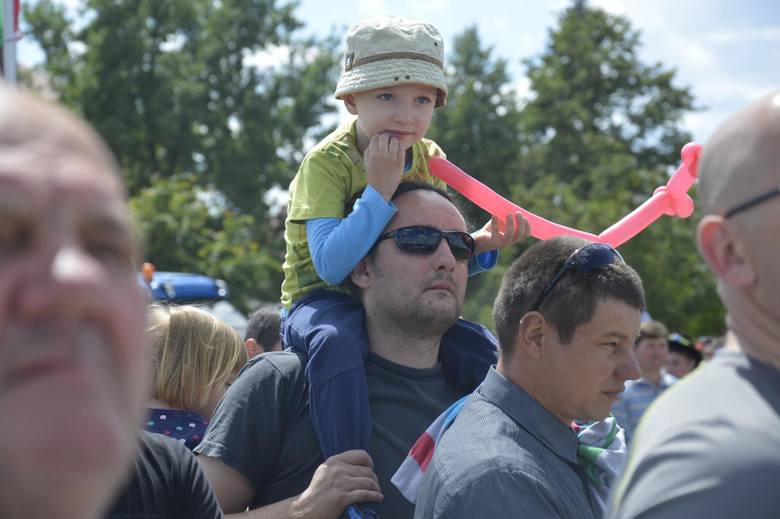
(338, 244)
(483, 262)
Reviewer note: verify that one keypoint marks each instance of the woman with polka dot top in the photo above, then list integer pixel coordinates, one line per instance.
(196, 358)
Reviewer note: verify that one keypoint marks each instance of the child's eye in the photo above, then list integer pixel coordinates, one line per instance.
(423, 100)
(385, 97)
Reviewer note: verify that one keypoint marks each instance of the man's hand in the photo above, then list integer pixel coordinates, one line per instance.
(342, 480)
(497, 233)
(384, 161)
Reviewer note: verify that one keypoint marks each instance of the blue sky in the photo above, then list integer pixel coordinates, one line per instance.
(728, 52)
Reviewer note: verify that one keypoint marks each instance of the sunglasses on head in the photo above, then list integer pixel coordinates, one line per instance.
(585, 259)
(418, 239)
(759, 199)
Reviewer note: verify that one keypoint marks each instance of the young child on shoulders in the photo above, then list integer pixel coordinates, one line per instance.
(393, 79)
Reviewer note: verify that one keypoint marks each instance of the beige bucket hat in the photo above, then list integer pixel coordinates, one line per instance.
(390, 51)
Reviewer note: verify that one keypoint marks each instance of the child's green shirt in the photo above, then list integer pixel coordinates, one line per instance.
(330, 175)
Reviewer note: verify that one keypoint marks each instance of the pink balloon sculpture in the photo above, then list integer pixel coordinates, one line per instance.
(671, 199)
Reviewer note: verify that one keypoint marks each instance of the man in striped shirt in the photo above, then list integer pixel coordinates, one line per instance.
(651, 350)
(567, 317)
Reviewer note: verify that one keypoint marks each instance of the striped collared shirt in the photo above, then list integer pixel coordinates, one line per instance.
(505, 456)
(636, 398)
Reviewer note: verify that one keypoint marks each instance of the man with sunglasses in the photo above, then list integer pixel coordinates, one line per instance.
(711, 446)
(567, 316)
(261, 450)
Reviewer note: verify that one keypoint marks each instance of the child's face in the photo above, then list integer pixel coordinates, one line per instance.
(403, 110)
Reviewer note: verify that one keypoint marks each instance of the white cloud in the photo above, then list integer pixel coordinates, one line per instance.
(692, 52)
(372, 8)
(703, 124)
(272, 57)
(759, 35)
(611, 6)
(425, 10)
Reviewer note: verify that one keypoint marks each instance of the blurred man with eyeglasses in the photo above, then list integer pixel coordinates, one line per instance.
(567, 316)
(711, 446)
(261, 451)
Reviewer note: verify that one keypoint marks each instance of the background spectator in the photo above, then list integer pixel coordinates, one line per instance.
(196, 357)
(566, 335)
(683, 356)
(651, 351)
(262, 330)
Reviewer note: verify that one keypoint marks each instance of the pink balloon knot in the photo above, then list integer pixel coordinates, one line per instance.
(690, 157)
(677, 204)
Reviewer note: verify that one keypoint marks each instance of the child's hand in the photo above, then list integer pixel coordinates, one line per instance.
(384, 160)
(497, 234)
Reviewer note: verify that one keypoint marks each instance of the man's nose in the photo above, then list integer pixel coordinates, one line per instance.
(629, 368)
(66, 281)
(443, 256)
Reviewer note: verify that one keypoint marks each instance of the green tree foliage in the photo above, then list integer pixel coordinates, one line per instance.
(191, 229)
(173, 87)
(167, 84)
(598, 133)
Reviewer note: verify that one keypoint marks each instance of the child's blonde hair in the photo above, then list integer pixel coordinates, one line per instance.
(194, 354)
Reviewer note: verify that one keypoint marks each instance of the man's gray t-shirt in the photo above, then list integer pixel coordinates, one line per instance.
(262, 427)
(708, 447)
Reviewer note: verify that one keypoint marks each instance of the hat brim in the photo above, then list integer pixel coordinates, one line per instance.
(393, 72)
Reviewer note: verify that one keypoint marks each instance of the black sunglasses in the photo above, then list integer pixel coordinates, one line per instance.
(763, 197)
(418, 239)
(585, 259)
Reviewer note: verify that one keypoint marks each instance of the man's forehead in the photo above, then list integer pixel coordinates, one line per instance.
(613, 317)
(58, 168)
(426, 207)
(77, 182)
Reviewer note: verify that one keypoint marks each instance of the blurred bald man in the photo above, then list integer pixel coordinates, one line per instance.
(711, 446)
(73, 361)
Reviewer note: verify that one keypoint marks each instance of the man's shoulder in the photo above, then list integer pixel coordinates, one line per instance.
(284, 364)
(164, 482)
(484, 440)
(272, 376)
(733, 392)
(709, 445)
(161, 451)
(482, 456)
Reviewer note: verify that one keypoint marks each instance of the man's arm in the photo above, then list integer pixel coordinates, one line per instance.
(340, 481)
(232, 489)
(500, 493)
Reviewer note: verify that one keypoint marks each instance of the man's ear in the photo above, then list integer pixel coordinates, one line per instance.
(361, 274)
(252, 348)
(723, 249)
(349, 104)
(530, 334)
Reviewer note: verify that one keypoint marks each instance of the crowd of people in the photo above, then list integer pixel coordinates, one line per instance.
(384, 402)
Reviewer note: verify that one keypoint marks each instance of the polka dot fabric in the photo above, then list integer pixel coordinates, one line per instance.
(185, 426)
